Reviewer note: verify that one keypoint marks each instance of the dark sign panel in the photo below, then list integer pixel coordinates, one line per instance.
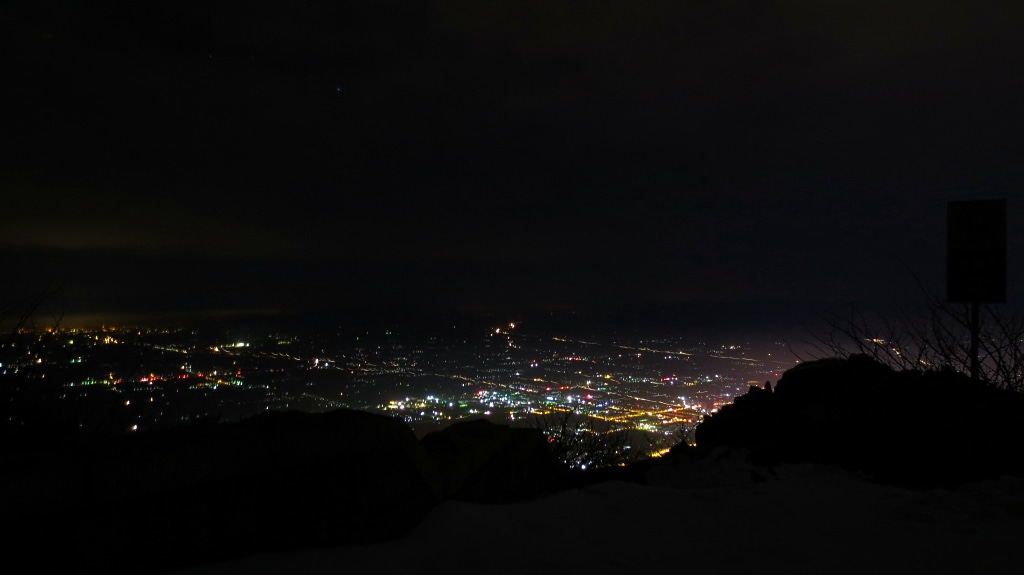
(976, 251)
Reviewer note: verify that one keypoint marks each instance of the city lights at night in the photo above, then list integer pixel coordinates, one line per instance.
(491, 286)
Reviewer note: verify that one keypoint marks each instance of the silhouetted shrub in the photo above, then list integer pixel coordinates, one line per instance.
(937, 336)
(585, 443)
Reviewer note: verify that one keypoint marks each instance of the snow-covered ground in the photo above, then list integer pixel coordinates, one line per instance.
(800, 519)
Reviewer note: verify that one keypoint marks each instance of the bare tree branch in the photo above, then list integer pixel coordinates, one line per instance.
(938, 338)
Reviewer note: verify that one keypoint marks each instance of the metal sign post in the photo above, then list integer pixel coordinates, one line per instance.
(976, 260)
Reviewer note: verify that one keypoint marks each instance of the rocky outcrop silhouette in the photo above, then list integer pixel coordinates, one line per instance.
(917, 429)
(484, 462)
(275, 482)
(195, 494)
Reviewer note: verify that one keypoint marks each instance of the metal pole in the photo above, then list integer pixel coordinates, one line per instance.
(975, 329)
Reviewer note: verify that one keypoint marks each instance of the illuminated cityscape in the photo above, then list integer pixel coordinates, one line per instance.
(655, 389)
(542, 255)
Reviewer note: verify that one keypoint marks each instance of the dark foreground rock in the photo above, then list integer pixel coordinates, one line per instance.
(194, 495)
(916, 429)
(487, 463)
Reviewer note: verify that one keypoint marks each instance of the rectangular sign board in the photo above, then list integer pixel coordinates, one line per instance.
(976, 251)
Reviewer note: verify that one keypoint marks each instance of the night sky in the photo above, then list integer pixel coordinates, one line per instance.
(208, 156)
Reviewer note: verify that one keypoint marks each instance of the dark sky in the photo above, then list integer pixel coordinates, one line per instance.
(190, 156)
